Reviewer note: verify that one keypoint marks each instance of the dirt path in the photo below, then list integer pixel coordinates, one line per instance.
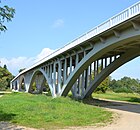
(129, 117)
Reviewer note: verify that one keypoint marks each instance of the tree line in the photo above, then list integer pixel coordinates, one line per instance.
(123, 85)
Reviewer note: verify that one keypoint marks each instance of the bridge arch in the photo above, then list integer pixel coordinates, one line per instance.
(42, 79)
(128, 56)
(22, 83)
(127, 42)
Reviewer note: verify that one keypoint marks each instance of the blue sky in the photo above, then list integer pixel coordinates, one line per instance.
(41, 26)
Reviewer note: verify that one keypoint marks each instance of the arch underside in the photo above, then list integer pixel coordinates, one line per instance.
(39, 77)
(115, 53)
(22, 83)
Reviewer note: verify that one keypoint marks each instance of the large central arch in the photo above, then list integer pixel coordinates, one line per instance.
(129, 41)
(128, 56)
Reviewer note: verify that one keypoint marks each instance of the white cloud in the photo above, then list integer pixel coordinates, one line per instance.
(45, 52)
(15, 64)
(58, 23)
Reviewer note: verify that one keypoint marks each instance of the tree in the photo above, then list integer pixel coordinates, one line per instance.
(6, 14)
(21, 70)
(104, 84)
(5, 67)
(5, 78)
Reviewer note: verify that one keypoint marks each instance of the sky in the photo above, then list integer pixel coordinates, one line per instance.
(42, 26)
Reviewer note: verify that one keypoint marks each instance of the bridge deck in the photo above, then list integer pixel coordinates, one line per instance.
(123, 16)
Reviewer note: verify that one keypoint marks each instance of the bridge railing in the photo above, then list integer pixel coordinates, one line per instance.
(115, 20)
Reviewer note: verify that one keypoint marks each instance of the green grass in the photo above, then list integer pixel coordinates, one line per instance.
(40, 111)
(130, 97)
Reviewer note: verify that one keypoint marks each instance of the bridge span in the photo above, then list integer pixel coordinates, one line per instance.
(81, 65)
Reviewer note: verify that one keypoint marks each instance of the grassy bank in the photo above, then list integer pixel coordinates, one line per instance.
(129, 97)
(40, 111)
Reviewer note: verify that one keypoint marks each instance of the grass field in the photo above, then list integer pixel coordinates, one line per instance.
(40, 111)
(129, 97)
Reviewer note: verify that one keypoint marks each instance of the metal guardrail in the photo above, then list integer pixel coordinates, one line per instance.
(115, 20)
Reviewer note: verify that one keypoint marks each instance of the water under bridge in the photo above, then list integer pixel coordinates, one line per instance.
(81, 65)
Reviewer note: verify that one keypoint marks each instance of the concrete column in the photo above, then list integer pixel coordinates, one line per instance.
(11, 85)
(90, 73)
(77, 59)
(27, 83)
(94, 69)
(65, 70)
(50, 75)
(48, 71)
(83, 82)
(83, 77)
(18, 85)
(59, 76)
(86, 78)
(79, 85)
(76, 85)
(97, 66)
(70, 64)
(54, 79)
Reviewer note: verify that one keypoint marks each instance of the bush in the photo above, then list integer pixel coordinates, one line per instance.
(123, 90)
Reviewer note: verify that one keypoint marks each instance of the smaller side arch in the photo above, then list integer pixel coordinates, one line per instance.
(22, 83)
(44, 75)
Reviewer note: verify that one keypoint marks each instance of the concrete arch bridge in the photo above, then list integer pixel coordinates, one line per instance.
(96, 54)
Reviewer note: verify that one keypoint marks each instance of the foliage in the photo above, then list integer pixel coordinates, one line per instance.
(102, 88)
(5, 67)
(6, 14)
(40, 111)
(125, 84)
(34, 86)
(5, 78)
(21, 70)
